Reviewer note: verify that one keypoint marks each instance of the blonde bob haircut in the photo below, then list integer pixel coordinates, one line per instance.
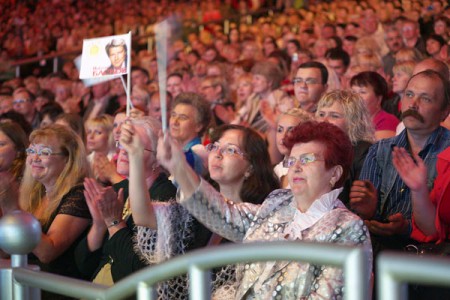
(359, 123)
(32, 192)
(406, 67)
(106, 122)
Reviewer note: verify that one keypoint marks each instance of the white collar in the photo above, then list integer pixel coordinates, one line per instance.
(315, 212)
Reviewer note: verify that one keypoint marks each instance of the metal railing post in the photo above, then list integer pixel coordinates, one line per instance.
(199, 287)
(20, 232)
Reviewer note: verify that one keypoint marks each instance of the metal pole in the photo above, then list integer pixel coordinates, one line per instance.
(200, 282)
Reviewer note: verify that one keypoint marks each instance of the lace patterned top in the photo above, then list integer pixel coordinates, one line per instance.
(278, 219)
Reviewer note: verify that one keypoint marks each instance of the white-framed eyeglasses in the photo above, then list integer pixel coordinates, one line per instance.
(303, 159)
(307, 81)
(227, 150)
(42, 153)
(19, 101)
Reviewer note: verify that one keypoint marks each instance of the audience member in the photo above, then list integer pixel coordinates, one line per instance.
(238, 164)
(346, 110)
(189, 119)
(394, 42)
(23, 104)
(372, 88)
(310, 83)
(107, 254)
(380, 196)
(321, 155)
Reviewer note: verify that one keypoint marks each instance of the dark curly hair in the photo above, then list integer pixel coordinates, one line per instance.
(338, 148)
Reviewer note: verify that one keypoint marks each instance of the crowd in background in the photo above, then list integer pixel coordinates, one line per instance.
(292, 121)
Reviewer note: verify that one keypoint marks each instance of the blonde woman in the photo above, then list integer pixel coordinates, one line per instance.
(347, 111)
(99, 137)
(52, 191)
(278, 151)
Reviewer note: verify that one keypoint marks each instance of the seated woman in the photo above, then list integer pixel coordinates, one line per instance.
(107, 254)
(99, 137)
(13, 142)
(319, 162)
(52, 191)
(240, 167)
(285, 123)
(402, 72)
(346, 110)
(373, 88)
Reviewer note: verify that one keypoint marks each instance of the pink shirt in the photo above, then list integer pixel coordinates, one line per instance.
(385, 121)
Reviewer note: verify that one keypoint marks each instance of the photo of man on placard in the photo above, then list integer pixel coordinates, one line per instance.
(116, 50)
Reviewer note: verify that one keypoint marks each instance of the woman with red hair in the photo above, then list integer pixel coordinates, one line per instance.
(319, 162)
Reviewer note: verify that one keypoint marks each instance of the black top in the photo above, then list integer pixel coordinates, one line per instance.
(360, 151)
(73, 204)
(119, 249)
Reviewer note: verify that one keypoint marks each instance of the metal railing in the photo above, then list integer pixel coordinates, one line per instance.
(197, 264)
(395, 270)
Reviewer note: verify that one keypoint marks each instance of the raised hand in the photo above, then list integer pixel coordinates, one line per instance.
(169, 153)
(225, 113)
(268, 113)
(129, 139)
(111, 205)
(104, 169)
(413, 174)
(363, 198)
(93, 192)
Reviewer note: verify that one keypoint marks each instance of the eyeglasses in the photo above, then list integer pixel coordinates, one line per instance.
(42, 153)
(228, 150)
(120, 147)
(307, 81)
(19, 101)
(303, 159)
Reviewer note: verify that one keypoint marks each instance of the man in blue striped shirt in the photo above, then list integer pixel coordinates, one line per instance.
(380, 196)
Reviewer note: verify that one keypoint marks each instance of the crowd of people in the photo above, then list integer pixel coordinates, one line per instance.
(326, 122)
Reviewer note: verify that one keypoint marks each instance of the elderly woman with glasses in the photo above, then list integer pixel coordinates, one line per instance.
(107, 253)
(319, 162)
(239, 167)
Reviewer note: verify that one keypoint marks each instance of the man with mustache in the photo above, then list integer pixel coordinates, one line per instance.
(380, 196)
